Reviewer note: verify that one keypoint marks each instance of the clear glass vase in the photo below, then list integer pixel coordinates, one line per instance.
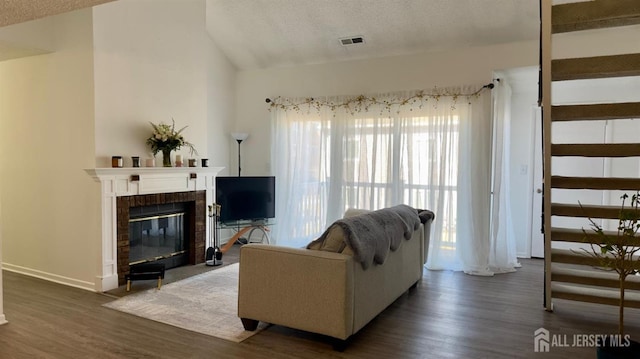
(166, 158)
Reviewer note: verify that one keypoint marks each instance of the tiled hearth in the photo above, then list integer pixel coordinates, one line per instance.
(123, 188)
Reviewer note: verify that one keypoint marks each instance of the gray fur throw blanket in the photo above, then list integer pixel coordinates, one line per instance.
(371, 235)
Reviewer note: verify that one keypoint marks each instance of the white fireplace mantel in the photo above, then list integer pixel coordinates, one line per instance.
(131, 181)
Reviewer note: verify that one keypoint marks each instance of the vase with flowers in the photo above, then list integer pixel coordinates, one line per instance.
(165, 139)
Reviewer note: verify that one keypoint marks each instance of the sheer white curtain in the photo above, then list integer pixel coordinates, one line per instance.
(432, 154)
(502, 255)
(300, 158)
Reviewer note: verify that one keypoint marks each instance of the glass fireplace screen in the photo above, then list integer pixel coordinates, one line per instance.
(156, 237)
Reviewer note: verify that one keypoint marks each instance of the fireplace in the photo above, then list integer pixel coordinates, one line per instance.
(125, 188)
(167, 227)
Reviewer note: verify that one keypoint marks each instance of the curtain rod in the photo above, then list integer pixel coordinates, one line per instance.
(487, 86)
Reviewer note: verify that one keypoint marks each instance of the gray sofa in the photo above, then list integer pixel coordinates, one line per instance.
(322, 291)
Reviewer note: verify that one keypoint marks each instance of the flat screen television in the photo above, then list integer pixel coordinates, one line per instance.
(246, 198)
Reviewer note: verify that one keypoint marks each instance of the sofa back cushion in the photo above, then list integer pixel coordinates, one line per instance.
(333, 241)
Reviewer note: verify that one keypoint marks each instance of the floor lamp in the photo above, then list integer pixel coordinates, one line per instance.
(239, 136)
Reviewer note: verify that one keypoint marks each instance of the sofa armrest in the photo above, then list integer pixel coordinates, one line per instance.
(298, 288)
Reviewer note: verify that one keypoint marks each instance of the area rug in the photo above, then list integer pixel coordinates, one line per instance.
(206, 303)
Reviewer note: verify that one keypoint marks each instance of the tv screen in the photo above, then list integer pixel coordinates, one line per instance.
(246, 198)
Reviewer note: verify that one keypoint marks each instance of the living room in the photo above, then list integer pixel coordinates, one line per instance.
(96, 77)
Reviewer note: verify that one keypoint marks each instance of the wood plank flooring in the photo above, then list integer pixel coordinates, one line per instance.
(449, 315)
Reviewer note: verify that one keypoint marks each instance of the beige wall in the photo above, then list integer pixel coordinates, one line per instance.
(151, 60)
(50, 205)
(154, 61)
(423, 71)
(3, 319)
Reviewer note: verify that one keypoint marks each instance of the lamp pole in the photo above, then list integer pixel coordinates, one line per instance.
(239, 158)
(239, 137)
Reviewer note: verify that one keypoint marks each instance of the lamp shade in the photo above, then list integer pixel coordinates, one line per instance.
(239, 136)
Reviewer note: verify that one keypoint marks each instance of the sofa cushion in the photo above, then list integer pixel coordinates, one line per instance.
(334, 240)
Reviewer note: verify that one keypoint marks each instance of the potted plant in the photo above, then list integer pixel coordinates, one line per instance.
(616, 252)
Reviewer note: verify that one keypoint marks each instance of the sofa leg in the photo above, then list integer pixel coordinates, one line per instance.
(340, 345)
(414, 285)
(249, 324)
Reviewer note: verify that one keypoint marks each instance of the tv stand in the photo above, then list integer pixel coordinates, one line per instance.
(259, 225)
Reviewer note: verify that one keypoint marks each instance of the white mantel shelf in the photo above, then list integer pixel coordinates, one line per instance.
(121, 181)
(96, 173)
(131, 181)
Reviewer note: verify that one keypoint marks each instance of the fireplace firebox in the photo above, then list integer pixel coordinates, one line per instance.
(159, 234)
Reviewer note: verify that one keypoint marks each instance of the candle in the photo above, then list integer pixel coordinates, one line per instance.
(178, 160)
(116, 161)
(151, 162)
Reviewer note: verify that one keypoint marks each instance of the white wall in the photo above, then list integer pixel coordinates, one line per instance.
(50, 205)
(221, 103)
(524, 85)
(153, 62)
(424, 71)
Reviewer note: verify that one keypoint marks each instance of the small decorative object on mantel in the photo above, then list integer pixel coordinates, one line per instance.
(192, 162)
(135, 161)
(205, 162)
(165, 139)
(178, 160)
(116, 161)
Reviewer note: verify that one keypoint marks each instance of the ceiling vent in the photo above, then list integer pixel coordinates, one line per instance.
(349, 41)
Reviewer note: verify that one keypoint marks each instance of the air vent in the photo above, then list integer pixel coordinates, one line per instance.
(349, 41)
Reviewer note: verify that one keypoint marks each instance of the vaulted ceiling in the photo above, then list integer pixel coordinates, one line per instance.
(274, 33)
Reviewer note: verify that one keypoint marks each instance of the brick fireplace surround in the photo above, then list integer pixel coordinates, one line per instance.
(196, 202)
(124, 188)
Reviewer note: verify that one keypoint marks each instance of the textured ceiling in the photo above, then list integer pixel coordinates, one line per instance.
(275, 33)
(15, 11)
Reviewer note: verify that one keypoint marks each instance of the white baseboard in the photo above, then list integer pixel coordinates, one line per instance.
(106, 283)
(49, 276)
(3, 320)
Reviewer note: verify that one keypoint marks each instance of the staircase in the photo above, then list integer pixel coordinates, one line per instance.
(569, 274)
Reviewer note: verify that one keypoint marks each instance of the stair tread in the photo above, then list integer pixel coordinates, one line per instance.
(605, 183)
(592, 273)
(596, 149)
(600, 292)
(605, 111)
(576, 235)
(595, 67)
(594, 15)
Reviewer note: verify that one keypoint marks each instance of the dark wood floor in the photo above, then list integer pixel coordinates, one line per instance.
(449, 315)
